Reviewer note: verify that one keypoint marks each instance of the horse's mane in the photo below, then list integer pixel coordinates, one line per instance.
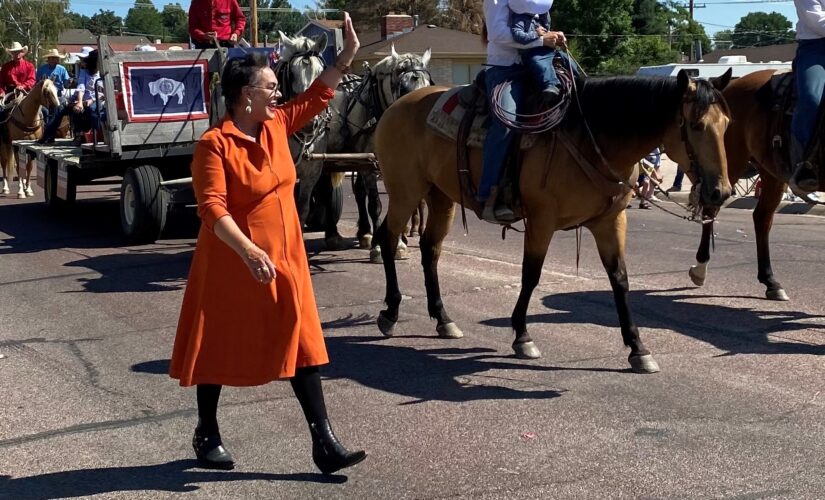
(629, 106)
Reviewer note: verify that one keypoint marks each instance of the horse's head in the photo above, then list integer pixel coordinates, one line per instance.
(400, 74)
(48, 93)
(300, 63)
(698, 144)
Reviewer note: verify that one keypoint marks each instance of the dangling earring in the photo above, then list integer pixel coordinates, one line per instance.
(248, 107)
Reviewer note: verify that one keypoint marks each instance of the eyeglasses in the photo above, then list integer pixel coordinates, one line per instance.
(272, 90)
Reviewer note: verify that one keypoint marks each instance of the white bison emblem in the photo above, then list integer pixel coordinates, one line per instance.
(166, 88)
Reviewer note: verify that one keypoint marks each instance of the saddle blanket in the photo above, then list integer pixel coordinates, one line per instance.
(445, 119)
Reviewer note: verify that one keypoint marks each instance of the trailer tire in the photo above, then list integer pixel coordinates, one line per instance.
(144, 204)
(50, 189)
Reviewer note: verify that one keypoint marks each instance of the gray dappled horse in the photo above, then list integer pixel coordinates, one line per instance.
(357, 110)
(347, 126)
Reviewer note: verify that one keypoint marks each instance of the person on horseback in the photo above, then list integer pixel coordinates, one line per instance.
(53, 70)
(529, 21)
(810, 83)
(211, 21)
(503, 64)
(17, 74)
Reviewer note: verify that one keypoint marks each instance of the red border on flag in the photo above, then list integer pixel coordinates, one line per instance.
(126, 85)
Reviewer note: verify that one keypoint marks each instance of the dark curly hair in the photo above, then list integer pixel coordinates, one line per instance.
(92, 62)
(239, 72)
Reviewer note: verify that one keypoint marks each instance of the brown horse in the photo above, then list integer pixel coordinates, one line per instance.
(628, 117)
(749, 139)
(24, 121)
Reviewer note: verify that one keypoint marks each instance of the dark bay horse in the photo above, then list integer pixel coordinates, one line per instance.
(749, 139)
(560, 187)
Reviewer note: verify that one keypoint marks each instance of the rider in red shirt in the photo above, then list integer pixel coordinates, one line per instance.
(211, 20)
(17, 73)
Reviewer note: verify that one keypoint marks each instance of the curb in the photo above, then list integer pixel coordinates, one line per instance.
(749, 202)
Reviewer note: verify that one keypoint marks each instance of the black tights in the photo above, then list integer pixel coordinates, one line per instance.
(307, 387)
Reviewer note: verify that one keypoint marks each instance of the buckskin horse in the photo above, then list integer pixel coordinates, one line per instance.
(23, 120)
(758, 133)
(581, 182)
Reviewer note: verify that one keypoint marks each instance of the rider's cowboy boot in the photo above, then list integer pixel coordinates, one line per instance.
(328, 453)
(210, 451)
(804, 181)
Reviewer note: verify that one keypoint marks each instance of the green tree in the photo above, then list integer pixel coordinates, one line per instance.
(634, 52)
(269, 23)
(758, 29)
(105, 22)
(340, 5)
(34, 23)
(367, 14)
(462, 15)
(597, 26)
(78, 21)
(175, 23)
(649, 17)
(723, 39)
(144, 19)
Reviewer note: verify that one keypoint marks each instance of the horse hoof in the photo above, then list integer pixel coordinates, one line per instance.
(21, 196)
(385, 325)
(778, 294)
(334, 243)
(375, 255)
(695, 277)
(5, 190)
(29, 192)
(402, 253)
(527, 350)
(643, 364)
(365, 241)
(449, 331)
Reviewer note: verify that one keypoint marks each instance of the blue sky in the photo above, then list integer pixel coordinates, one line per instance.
(714, 16)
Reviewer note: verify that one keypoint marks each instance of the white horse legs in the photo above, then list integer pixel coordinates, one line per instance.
(698, 273)
(5, 189)
(24, 186)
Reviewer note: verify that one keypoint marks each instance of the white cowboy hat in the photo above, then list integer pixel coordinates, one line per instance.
(85, 51)
(16, 47)
(53, 53)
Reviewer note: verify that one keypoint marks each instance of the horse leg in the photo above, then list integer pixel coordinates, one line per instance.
(536, 241)
(698, 272)
(769, 199)
(332, 238)
(29, 168)
(21, 177)
(359, 189)
(387, 240)
(443, 209)
(610, 241)
(5, 162)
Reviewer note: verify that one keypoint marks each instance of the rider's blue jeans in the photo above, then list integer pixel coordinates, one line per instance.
(499, 137)
(810, 82)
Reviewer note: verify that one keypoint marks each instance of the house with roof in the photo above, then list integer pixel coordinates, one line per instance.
(457, 56)
(72, 41)
(770, 53)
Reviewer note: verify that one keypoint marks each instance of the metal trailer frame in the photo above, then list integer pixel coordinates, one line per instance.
(150, 158)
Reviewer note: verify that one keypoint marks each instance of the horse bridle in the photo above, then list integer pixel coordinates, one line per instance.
(285, 77)
(694, 166)
(377, 96)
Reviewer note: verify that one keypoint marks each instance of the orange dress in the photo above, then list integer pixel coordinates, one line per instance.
(233, 330)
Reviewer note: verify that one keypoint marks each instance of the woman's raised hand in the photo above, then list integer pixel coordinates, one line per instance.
(259, 264)
(351, 43)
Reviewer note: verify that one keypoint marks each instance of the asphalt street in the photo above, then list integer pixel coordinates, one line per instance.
(86, 407)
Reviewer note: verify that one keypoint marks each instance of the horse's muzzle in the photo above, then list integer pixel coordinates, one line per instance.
(715, 191)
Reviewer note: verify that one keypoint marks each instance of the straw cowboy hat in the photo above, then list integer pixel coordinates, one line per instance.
(53, 53)
(16, 47)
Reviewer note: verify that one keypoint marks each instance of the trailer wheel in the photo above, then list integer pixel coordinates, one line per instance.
(50, 189)
(143, 204)
(319, 217)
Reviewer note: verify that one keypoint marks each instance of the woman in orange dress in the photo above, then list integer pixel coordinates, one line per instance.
(249, 315)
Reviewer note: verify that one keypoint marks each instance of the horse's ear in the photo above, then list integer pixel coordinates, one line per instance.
(393, 53)
(285, 39)
(320, 43)
(682, 80)
(721, 82)
(425, 59)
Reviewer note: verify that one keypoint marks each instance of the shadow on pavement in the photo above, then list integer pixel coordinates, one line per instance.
(442, 374)
(177, 477)
(735, 330)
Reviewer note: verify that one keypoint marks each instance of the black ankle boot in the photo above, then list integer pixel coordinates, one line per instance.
(210, 451)
(329, 454)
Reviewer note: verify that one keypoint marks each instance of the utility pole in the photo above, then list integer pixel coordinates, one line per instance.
(690, 9)
(253, 5)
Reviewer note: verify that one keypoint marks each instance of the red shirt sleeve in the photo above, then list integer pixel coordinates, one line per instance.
(209, 180)
(238, 18)
(27, 79)
(200, 19)
(300, 110)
